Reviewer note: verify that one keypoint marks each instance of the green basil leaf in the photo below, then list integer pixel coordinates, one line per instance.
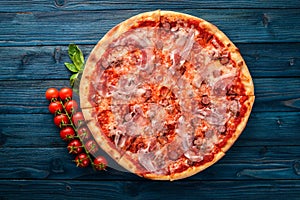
(73, 79)
(76, 56)
(71, 67)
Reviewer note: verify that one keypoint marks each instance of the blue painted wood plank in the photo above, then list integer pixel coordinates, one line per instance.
(272, 60)
(85, 27)
(263, 163)
(28, 63)
(240, 163)
(24, 189)
(54, 5)
(38, 130)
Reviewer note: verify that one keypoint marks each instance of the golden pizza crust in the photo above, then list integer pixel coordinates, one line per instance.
(249, 103)
(246, 81)
(126, 161)
(100, 48)
(132, 166)
(121, 157)
(194, 170)
(174, 16)
(237, 57)
(101, 139)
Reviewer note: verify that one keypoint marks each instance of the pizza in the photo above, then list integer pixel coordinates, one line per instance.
(166, 94)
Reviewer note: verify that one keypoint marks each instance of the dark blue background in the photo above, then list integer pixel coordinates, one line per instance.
(34, 163)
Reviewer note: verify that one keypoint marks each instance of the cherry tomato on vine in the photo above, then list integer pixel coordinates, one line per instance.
(77, 119)
(100, 163)
(91, 146)
(52, 94)
(84, 133)
(67, 133)
(55, 107)
(71, 106)
(61, 120)
(75, 147)
(65, 94)
(82, 160)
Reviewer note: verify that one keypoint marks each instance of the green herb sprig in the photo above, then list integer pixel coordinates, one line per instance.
(77, 64)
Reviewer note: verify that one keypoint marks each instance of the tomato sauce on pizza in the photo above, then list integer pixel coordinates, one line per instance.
(166, 94)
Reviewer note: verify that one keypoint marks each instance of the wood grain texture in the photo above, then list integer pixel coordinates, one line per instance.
(29, 63)
(240, 163)
(264, 163)
(38, 130)
(54, 5)
(263, 189)
(64, 27)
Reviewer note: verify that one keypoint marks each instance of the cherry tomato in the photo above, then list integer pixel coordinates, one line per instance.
(71, 106)
(77, 119)
(75, 147)
(82, 160)
(65, 94)
(100, 163)
(55, 107)
(84, 133)
(52, 94)
(91, 146)
(61, 120)
(67, 133)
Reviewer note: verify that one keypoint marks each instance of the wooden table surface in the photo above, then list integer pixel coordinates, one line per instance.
(34, 163)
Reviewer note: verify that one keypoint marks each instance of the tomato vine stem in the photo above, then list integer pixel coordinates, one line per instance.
(76, 133)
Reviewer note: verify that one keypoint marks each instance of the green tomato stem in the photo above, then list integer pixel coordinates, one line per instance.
(76, 133)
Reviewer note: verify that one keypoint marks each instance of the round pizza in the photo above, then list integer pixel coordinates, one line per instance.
(166, 94)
